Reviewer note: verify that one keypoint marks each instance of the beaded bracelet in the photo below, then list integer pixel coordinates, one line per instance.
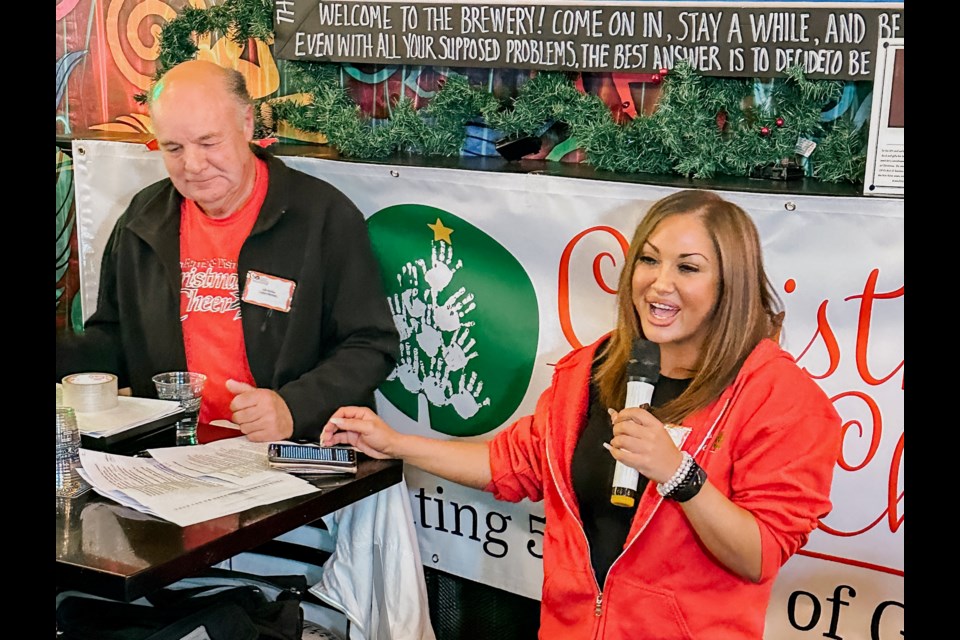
(690, 486)
(678, 476)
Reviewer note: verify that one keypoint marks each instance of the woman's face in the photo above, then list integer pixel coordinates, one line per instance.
(675, 289)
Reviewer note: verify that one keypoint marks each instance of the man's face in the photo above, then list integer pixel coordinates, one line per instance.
(203, 133)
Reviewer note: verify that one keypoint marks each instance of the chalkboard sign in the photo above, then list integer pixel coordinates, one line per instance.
(830, 40)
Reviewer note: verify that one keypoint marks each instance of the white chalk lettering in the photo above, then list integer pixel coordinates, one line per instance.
(511, 21)
(734, 30)
(570, 22)
(361, 14)
(284, 10)
(813, 60)
(317, 45)
(699, 27)
(595, 55)
(779, 26)
(473, 49)
(630, 56)
(702, 58)
(540, 53)
(846, 27)
(419, 46)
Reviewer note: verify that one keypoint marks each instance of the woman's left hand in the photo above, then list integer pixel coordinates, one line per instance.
(729, 531)
(641, 441)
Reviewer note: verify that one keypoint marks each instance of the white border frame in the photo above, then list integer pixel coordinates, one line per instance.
(885, 149)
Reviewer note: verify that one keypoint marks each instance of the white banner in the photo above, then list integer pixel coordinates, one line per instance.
(520, 268)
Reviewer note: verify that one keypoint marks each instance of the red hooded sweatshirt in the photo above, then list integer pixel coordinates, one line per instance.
(769, 443)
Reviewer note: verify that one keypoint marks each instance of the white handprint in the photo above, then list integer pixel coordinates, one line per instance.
(414, 305)
(436, 384)
(455, 353)
(447, 317)
(440, 273)
(408, 368)
(399, 316)
(465, 400)
(409, 280)
(410, 274)
(429, 338)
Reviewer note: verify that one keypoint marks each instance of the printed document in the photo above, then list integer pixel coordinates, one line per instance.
(186, 485)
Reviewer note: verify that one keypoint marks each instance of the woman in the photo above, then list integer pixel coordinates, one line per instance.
(718, 513)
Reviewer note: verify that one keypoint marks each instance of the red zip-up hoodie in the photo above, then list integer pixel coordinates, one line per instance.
(769, 443)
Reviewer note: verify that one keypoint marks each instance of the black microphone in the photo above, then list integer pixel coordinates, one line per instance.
(643, 371)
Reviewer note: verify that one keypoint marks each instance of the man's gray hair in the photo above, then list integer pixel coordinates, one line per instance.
(237, 85)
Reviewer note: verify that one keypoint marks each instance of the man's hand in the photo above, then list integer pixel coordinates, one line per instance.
(261, 413)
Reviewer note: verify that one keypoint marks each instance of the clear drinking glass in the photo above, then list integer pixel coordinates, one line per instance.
(186, 387)
(69, 482)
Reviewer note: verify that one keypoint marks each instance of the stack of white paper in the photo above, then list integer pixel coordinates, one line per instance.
(130, 412)
(186, 485)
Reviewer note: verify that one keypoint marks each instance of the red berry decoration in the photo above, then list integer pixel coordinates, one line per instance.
(721, 120)
(663, 71)
(779, 122)
(764, 131)
(655, 78)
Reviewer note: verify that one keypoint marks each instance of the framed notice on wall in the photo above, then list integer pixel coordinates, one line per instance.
(884, 175)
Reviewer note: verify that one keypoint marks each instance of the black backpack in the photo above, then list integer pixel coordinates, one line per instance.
(220, 605)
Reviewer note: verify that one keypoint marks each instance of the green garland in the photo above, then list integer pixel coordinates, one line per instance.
(241, 19)
(703, 126)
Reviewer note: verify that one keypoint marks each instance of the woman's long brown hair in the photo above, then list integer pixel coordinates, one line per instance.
(748, 308)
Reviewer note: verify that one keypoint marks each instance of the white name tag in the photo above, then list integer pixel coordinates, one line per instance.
(268, 291)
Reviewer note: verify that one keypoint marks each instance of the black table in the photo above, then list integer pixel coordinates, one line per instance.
(106, 549)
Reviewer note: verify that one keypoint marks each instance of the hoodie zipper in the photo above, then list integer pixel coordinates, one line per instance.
(598, 608)
(703, 442)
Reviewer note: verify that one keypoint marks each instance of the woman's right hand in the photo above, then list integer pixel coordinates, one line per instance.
(361, 428)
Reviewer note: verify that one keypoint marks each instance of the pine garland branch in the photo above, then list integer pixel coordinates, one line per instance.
(631, 148)
(839, 154)
(239, 20)
(688, 130)
(406, 128)
(456, 104)
(537, 104)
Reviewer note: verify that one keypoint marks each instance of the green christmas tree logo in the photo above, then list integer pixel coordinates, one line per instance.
(467, 315)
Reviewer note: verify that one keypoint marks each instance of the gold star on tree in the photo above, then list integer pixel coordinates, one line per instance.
(441, 232)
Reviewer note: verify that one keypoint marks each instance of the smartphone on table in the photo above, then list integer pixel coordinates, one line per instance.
(305, 457)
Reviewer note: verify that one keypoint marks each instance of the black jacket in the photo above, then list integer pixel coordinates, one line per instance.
(335, 346)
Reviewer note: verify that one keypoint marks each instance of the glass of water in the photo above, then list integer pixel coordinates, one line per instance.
(69, 483)
(186, 387)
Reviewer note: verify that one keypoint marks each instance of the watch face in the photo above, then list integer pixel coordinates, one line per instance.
(691, 485)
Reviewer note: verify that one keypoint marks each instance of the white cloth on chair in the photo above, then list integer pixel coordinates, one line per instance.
(374, 574)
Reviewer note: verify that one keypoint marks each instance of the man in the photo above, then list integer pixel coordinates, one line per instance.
(257, 275)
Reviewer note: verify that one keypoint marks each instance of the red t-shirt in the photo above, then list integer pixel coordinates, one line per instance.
(210, 296)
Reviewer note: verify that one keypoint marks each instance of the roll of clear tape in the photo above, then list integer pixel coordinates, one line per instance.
(90, 392)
